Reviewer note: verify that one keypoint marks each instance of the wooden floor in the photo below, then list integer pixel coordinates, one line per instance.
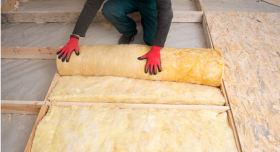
(250, 44)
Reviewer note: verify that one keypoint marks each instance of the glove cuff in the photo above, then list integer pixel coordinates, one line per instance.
(74, 36)
(156, 48)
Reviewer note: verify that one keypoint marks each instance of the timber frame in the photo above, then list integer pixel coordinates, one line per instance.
(41, 107)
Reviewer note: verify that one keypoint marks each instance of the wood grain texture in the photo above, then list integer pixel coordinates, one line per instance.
(199, 5)
(250, 44)
(54, 81)
(22, 103)
(274, 2)
(29, 52)
(8, 5)
(144, 106)
(21, 107)
(187, 16)
(72, 16)
(42, 113)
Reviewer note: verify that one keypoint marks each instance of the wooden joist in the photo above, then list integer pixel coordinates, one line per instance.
(29, 52)
(187, 16)
(41, 115)
(144, 106)
(21, 107)
(8, 5)
(53, 83)
(199, 5)
(274, 2)
(71, 17)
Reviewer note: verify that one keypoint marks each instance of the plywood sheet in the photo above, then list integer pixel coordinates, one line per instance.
(250, 44)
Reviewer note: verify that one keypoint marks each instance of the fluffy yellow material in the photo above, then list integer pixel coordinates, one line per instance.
(128, 90)
(200, 66)
(99, 129)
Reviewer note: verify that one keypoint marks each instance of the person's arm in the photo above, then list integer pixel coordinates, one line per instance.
(164, 17)
(88, 13)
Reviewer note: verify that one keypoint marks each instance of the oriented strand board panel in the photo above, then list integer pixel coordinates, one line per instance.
(250, 44)
(111, 129)
(111, 89)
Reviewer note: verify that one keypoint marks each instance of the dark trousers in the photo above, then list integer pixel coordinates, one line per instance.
(116, 12)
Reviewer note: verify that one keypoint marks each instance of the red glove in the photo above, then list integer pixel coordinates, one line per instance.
(153, 60)
(66, 51)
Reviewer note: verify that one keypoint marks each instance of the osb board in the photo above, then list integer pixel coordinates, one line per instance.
(250, 44)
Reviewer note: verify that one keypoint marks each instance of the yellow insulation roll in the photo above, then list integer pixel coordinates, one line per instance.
(200, 66)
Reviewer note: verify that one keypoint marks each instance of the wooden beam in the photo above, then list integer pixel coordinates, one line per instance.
(54, 81)
(41, 115)
(29, 52)
(144, 106)
(233, 127)
(22, 103)
(207, 33)
(21, 107)
(274, 2)
(187, 16)
(8, 5)
(199, 5)
(71, 17)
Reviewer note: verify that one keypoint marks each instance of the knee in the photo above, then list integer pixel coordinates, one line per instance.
(169, 15)
(110, 11)
(106, 10)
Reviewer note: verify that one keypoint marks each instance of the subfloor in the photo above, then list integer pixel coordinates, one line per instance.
(29, 79)
(15, 131)
(240, 6)
(181, 35)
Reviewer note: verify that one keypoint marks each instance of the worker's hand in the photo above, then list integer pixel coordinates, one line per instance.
(153, 60)
(66, 51)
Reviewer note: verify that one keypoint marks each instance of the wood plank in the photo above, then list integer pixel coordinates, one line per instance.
(207, 33)
(29, 52)
(8, 5)
(252, 65)
(233, 127)
(187, 16)
(21, 107)
(274, 2)
(224, 92)
(144, 106)
(22, 103)
(41, 114)
(71, 17)
(54, 81)
(199, 5)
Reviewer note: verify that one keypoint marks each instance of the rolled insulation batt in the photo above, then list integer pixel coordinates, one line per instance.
(83, 129)
(112, 89)
(200, 66)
